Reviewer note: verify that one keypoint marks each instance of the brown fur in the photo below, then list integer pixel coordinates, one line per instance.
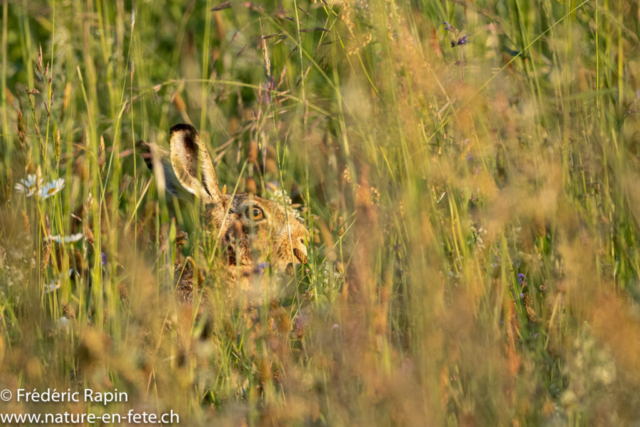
(276, 237)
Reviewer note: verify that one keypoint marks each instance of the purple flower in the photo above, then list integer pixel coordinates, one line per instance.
(260, 268)
(448, 26)
(521, 278)
(462, 40)
(103, 257)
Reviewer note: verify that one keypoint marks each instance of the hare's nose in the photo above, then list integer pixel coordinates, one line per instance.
(300, 255)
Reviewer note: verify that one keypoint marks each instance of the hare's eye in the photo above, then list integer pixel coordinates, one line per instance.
(256, 213)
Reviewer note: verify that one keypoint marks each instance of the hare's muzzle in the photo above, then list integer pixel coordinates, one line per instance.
(300, 255)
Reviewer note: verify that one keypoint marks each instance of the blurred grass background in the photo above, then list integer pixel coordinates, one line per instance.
(468, 171)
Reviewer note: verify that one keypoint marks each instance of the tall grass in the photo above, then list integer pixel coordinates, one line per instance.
(468, 172)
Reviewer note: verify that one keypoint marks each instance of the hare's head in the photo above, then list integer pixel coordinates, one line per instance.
(253, 230)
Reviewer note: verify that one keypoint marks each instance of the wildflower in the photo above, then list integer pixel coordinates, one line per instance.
(461, 41)
(261, 268)
(280, 197)
(476, 236)
(448, 26)
(521, 278)
(56, 283)
(28, 186)
(103, 258)
(62, 322)
(464, 39)
(51, 188)
(64, 239)
(329, 274)
(52, 286)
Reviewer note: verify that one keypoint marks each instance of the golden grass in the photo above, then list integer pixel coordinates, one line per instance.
(468, 172)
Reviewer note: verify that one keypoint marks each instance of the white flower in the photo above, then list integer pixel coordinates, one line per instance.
(52, 188)
(281, 198)
(329, 274)
(56, 283)
(28, 186)
(62, 322)
(64, 239)
(52, 286)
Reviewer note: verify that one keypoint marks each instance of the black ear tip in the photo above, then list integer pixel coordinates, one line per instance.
(186, 128)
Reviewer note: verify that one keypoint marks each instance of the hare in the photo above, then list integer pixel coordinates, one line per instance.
(254, 231)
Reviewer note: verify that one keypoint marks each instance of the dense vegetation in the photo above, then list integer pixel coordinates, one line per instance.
(468, 172)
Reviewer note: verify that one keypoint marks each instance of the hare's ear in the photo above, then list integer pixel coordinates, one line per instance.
(192, 164)
(158, 160)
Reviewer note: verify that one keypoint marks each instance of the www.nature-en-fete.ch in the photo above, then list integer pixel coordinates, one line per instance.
(87, 395)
